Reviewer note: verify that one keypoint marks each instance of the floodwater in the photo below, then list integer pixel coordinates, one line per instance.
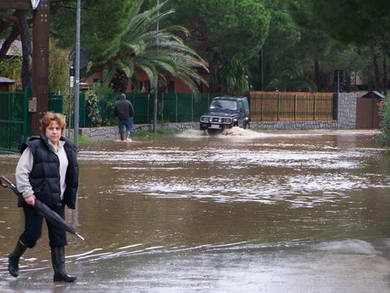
(292, 211)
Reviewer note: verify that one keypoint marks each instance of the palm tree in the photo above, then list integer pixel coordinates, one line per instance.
(158, 53)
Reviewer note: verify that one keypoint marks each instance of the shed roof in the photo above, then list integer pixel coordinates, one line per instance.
(4, 80)
(373, 95)
(15, 49)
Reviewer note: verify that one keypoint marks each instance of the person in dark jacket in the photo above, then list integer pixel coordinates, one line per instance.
(125, 112)
(47, 171)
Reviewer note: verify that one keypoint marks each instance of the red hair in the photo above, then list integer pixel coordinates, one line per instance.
(49, 117)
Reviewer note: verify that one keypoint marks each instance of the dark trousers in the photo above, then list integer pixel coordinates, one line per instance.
(126, 127)
(33, 228)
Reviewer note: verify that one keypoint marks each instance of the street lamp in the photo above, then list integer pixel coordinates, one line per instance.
(156, 85)
(34, 4)
(77, 76)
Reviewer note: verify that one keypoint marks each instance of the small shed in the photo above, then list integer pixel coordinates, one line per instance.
(15, 49)
(368, 108)
(6, 84)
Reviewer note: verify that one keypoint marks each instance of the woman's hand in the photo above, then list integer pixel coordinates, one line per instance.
(30, 199)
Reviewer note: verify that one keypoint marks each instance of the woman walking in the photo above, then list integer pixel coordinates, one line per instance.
(48, 171)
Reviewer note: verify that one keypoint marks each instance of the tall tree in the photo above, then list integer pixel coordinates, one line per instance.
(157, 53)
(227, 33)
(278, 63)
(13, 25)
(102, 22)
(130, 42)
(361, 22)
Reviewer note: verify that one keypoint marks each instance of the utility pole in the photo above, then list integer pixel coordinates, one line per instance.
(156, 85)
(77, 76)
(338, 82)
(39, 102)
(262, 68)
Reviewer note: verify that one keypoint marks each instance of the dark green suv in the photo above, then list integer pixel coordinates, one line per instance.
(225, 112)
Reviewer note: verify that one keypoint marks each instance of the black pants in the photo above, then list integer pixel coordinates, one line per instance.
(33, 228)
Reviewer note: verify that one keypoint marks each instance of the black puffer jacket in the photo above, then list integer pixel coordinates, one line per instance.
(45, 175)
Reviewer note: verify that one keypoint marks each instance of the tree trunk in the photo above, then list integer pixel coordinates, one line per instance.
(317, 74)
(384, 73)
(377, 84)
(25, 38)
(261, 58)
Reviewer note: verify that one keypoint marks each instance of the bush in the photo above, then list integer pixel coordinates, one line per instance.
(100, 103)
(11, 68)
(59, 65)
(92, 108)
(384, 137)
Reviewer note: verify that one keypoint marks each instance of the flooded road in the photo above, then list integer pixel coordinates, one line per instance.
(303, 211)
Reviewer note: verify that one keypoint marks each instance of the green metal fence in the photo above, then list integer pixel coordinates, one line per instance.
(15, 119)
(172, 107)
(181, 107)
(56, 103)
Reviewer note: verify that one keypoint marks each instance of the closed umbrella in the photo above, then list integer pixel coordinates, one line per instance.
(43, 209)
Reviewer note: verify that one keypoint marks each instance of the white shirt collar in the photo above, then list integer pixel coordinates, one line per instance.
(54, 148)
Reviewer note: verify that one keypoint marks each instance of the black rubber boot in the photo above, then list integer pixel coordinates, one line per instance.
(13, 259)
(58, 262)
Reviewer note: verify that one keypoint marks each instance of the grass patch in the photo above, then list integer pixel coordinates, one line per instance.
(140, 134)
(149, 134)
(84, 140)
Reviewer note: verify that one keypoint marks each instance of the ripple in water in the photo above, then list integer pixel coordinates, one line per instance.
(299, 190)
(299, 174)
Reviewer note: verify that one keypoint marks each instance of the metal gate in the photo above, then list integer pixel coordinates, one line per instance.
(367, 114)
(14, 120)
